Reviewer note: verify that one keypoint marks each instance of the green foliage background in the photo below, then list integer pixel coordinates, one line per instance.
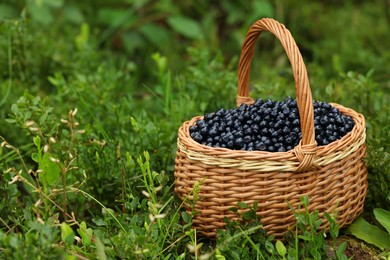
(135, 70)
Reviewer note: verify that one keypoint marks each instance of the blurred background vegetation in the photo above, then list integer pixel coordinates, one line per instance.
(136, 69)
(338, 36)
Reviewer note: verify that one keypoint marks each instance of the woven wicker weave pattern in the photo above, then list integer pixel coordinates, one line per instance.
(333, 176)
(228, 177)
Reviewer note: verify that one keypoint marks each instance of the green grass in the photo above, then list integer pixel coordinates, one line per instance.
(92, 96)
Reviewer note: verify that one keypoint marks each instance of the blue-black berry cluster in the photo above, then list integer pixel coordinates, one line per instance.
(266, 125)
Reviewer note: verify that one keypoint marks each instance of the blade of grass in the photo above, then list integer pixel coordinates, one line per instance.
(383, 216)
(370, 233)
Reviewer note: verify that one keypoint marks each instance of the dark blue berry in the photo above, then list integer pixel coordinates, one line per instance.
(200, 123)
(296, 130)
(197, 137)
(213, 132)
(208, 117)
(260, 146)
(324, 120)
(275, 133)
(286, 130)
(331, 127)
(239, 143)
(247, 139)
(264, 131)
(342, 131)
(255, 128)
(296, 122)
(220, 112)
(348, 127)
(228, 137)
(204, 131)
(193, 128)
(271, 148)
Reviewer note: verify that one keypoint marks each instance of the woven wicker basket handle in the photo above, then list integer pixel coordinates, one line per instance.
(305, 151)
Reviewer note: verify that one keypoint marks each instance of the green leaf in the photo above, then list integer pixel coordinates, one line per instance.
(35, 157)
(81, 40)
(334, 231)
(167, 257)
(305, 237)
(157, 35)
(99, 222)
(37, 141)
(73, 14)
(101, 255)
(280, 248)
(233, 209)
(40, 13)
(10, 121)
(234, 254)
(218, 255)
(305, 201)
(186, 217)
(15, 109)
(249, 215)
(255, 204)
(70, 257)
(185, 26)
(150, 127)
(383, 216)
(370, 233)
(110, 16)
(67, 234)
(317, 223)
(134, 124)
(269, 247)
(51, 170)
(341, 249)
(85, 233)
(243, 205)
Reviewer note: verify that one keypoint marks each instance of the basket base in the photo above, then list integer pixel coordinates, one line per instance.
(338, 188)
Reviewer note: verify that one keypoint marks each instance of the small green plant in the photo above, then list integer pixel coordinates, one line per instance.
(307, 232)
(336, 250)
(246, 237)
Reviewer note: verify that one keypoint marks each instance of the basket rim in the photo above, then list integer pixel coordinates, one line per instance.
(277, 161)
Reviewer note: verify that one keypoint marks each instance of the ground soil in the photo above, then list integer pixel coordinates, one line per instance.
(357, 249)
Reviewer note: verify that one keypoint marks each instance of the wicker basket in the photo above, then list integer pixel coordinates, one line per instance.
(332, 176)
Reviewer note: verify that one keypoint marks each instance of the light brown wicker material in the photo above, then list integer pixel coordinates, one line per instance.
(333, 176)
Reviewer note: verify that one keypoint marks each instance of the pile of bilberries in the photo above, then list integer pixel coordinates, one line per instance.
(267, 125)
